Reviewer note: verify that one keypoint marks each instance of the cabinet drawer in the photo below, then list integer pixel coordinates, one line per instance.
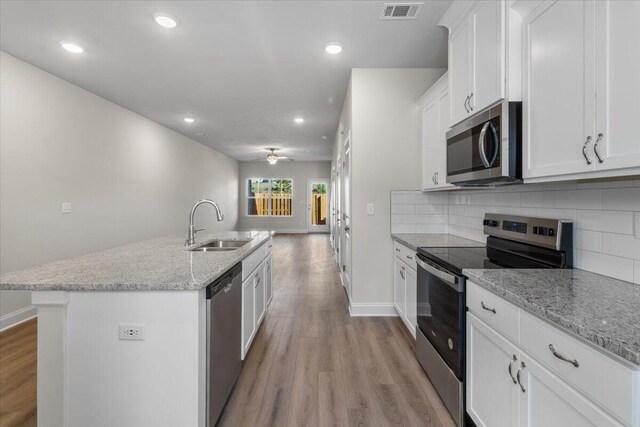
(405, 254)
(608, 382)
(493, 310)
(252, 261)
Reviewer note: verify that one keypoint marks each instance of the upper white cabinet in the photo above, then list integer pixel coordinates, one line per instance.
(477, 50)
(580, 89)
(435, 123)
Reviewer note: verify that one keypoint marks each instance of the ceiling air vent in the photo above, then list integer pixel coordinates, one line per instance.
(401, 10)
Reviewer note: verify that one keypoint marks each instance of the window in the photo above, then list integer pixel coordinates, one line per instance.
(269, 196)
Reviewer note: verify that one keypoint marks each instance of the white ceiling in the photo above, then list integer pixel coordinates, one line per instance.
(243, 70)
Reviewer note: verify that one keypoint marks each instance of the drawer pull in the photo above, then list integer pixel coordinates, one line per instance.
(493, 310)
(510, 365)
(522, 366)
(397, 250)
(409, 257)
(574, 362)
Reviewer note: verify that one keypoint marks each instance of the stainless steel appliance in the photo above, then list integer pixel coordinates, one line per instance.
(513, 242)
(224, 322)
(487, 148)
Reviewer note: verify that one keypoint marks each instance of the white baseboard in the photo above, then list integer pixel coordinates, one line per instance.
(12, 319)
(372, 309)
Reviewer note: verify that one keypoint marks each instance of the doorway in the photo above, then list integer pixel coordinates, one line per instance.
(318, 205)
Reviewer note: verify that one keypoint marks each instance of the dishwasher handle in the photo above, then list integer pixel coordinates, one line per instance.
(224, 282)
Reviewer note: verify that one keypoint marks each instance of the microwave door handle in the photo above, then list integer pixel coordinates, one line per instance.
(481, 149)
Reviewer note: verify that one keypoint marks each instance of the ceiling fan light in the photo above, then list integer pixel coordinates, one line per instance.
(272, 159)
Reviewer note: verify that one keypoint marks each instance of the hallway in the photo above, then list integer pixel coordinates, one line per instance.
(313, 365)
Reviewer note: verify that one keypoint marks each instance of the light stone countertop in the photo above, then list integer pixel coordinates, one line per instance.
(157, 264)
(415, 241)
(600, 309)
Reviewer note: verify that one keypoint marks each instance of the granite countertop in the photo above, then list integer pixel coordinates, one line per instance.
(157, 264)
(600, 309)
(415, 241)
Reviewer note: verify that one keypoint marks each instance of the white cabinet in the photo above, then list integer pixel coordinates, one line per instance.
(492, 398)
(529, 378)
(256, 293)
(435, 123)
(405, 282)
(545, 401)
(477, 51)
(580, 90)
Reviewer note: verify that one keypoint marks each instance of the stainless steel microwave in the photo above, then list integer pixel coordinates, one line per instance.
(486, 149)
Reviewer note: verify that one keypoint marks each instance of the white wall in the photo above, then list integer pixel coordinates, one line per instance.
(606, 239)
(299, 172)
(127, 178)
(385, 155)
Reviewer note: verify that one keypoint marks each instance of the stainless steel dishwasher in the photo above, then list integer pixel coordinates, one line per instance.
(224, 323)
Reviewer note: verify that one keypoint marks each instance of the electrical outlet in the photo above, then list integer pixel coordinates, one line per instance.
(66, 208)
(131, 332)
(371, 209)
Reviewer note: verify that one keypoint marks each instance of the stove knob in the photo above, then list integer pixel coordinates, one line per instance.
(490, 223)
(550, 232)
(535, 229)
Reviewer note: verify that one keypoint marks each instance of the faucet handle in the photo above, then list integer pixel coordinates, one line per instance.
(195, 230)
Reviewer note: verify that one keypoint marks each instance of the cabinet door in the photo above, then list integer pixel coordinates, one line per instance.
(548, 402)
(248, 320)
(488, 53)
(411, 300)
(429, 145)
(398, 286)
(459, 70)
(558, 89)
(259, 295)
(268, 280)
(440, 146)
(492, 395)
(618, 84)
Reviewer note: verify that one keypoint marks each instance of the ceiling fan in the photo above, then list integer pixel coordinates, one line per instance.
(272, 157)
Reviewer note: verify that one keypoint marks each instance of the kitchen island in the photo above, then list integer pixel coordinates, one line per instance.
(86, 374)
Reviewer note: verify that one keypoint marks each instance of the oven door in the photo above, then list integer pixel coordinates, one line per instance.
(441, 312)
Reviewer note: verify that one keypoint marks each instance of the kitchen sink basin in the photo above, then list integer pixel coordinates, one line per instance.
(220, 245)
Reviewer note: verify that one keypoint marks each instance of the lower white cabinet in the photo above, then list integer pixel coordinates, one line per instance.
(405, 281)
(511, 383)
(256, 295)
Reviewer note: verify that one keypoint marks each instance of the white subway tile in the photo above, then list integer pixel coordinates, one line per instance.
(578, 199)
(403, 209)
(415, 219)
(622, 245)
(437, 219)
(608, 221)
(620, 268)
(396, 197)
(507, 199)
(396, 219)
(624, 199)
(430, 228)
(457, 210)
(605, 184)
(468, 233)
(539, 199)
(435, 199)
(589, 240)
(431, 209)
(403, 228)
(568, 214)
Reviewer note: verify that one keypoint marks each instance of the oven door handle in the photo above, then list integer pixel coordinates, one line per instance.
(445, 276)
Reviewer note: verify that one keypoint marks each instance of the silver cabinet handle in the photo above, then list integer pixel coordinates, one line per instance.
(257, 281)
(397, 250)
(470, 98)
(402, 272)
(437, 180)
(574, 362)
(493, 310)
(515, 359)
(522, 366)
(584, 150)
(465, 104)
(433, 178)
(409, 257)
(595, 147)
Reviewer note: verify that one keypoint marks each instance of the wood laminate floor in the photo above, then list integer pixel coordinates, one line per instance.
(310, 364)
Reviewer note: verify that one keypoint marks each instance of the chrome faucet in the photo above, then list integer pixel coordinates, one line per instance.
(192, 229)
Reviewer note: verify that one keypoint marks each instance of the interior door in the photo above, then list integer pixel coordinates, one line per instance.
(618, 85)
(548, 402)
(346, 215)
(338, 200)
(558, 89)
(318, 205)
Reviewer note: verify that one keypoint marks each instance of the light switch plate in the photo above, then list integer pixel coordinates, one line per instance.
(371, 209)
(66, 208)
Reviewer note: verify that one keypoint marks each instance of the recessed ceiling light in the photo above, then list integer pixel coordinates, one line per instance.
(189, 120)
(333, 48)
(72, 47)
(166, 20)
(298, 120)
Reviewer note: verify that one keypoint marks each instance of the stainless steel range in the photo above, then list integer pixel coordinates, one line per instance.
(512, 242)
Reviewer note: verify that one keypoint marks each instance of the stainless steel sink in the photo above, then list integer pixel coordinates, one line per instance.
(220, 245)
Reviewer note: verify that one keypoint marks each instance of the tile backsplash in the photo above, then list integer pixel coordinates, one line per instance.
(606, 217)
